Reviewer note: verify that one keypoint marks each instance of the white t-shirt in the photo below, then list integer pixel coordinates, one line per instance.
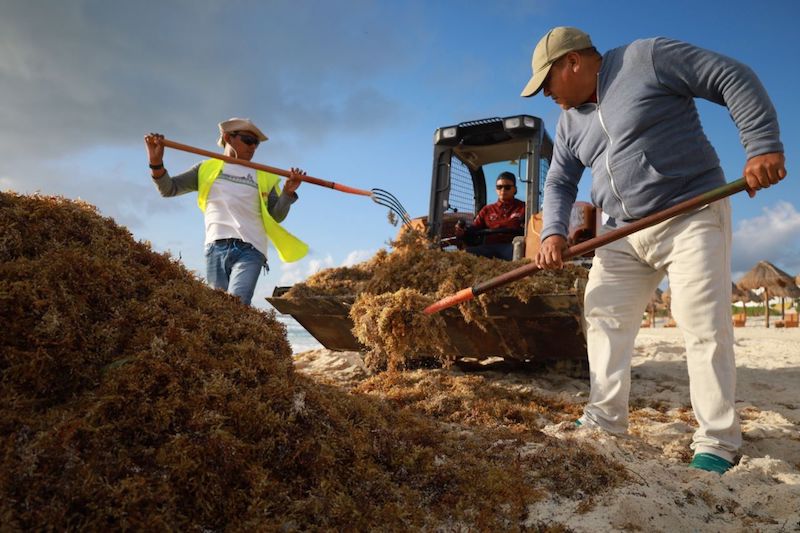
(233, 208)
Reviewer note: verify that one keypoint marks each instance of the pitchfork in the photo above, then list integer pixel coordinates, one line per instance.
(387, 199)
(379, 196)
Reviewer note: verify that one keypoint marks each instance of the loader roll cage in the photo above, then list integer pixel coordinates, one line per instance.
(466, 155)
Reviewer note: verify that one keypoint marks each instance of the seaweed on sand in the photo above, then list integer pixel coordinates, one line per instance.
(132, 396)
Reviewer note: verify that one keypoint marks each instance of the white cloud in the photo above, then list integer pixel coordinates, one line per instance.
(315, 265)
(296, 272)
(774, 236)
(291, 273)
(87, 68)
(357, 256)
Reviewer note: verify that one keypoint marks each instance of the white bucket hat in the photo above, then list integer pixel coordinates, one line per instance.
(239, 124)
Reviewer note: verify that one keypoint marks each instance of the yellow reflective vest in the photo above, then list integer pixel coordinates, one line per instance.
(289, 247)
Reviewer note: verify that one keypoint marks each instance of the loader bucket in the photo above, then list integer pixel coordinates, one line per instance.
(548, 328)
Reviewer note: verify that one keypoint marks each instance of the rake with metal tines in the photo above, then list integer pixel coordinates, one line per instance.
(387, 199)
(379, 196)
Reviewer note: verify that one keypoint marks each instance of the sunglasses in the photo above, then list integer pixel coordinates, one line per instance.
(247, 139)
(504, 187)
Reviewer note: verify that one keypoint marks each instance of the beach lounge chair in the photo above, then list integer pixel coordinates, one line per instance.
(789, 322)
(739, 320)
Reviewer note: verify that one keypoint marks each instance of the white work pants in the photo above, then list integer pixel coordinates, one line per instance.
(694, 251)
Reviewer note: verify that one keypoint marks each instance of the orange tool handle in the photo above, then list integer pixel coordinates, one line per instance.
(266, 168)
(585, 247)
(464, 295)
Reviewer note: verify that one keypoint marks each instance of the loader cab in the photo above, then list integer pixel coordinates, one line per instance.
(469, 155)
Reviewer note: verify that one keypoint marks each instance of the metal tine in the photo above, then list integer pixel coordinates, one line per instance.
(386, 195)
(393, 209)
(387, 199)
(403, 216)
(396, 207)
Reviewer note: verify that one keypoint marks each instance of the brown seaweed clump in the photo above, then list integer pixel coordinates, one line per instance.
(471, 400)
(566, 468)
(414, 264)
(132, 396)
(395, 329)
(384, 281)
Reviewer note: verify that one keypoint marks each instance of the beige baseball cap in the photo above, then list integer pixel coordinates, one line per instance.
(239, 124)
(556, 43)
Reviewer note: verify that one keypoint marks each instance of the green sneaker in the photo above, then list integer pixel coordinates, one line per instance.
(710, 463)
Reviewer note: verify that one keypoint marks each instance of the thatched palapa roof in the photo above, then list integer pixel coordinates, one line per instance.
(743, 295)
(657, 297)
(657, 300)
(737, 295)
(773, 279)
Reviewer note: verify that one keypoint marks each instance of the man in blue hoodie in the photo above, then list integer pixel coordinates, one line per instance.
(630, 116)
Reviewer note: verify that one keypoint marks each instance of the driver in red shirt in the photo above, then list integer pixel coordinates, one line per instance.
(503, 219)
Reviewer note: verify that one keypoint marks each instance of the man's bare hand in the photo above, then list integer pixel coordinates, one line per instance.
(460, 229)
(764, 170)
(155, 148)
(551, 252)
(294, 181)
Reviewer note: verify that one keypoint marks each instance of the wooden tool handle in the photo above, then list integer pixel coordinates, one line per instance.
(713, 195)
(257, 166)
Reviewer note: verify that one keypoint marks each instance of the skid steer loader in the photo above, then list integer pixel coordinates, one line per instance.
(549, 328)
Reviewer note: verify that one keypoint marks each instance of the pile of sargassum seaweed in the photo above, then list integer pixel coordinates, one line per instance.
(392, 288)
(132, 396)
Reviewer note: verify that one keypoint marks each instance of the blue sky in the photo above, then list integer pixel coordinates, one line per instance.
(351, 91)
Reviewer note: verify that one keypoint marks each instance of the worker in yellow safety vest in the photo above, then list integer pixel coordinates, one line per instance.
(242, 207)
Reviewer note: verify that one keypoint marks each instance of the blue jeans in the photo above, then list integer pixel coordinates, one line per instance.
(233, 266)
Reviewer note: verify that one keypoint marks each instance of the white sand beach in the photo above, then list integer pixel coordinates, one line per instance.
(761, 493)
